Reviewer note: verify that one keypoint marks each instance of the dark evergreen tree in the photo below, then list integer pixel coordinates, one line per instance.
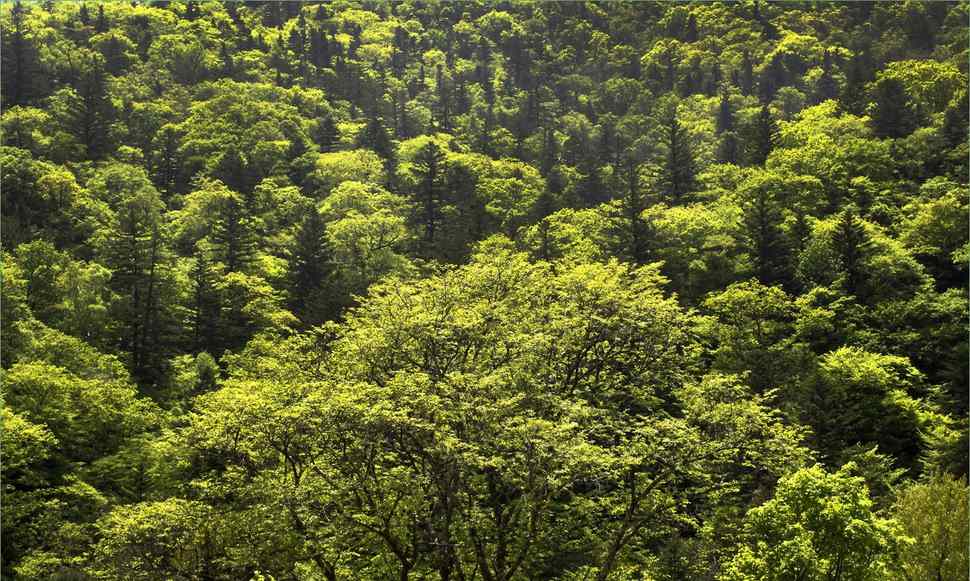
(355, 41)
(826, 87)
(893, 114)
(92, 112)
(165, 166)
(442, 92)
(762, 135)
(693, 81)
(608, 149)
(955, 120)
(716, 79)
(206, 305)
(311, 272)
(233, 235)
(428, 170)
(544, 207)
(115, 59)
(488, 126)
(228, 65)
(774, 77)
(550, 150)
(469, 220)
(592, 190)
(852, 245)
(746, 77)
(764, 239)
(729, 148)
(725, 114)
(293, 9)
(273, 14)
(101, 24)
(857, 75)
(319, 50)
(690, 32)
(136, 254)
(677, 169)
(326, 134)
(22, 77)
(632, 230)
(374, 137)
(280, 62)
(233, 170)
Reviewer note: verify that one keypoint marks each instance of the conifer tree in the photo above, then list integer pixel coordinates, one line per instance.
(21, 66)
(774, 77)
(592, 190)
(92, 112)
(690, 31)
(233, 170)
(429, 171)
(762, 136)
(893, 112)
(228, 65)
(374, 136)
(764, 239)
(114, 57)
(319, 49)
(857, 75)
(550, 150)
(136, 252)
(101, 24)
(677, 169)
(826, 88)
(725, 114)
(233, 234)
(746, 78)
(955, 120)
(327, 134)
(205, 305)
(273, 14)
(191, 10)
(311, 271)
(852, 245)
(729, 148)
(634, 232)
(165, 164)
(442, 91)
(485, 134)
(716, 79)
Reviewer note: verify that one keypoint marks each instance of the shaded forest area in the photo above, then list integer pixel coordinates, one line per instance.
(484, 290)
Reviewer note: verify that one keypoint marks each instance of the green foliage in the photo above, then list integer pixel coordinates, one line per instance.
(145, 540)
(332, 169)
(893, 113)
(412, 376)
(304, 290)
(863, 397)
(819, 525)
(754, 334)
(678, 171)
(89, 417)
(933, 515)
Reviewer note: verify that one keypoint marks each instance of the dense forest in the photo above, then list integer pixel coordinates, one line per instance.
(485, 290)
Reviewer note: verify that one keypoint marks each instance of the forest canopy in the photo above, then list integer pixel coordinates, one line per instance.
(484, 290)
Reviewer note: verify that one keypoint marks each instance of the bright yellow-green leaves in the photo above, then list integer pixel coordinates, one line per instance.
(817, 526)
